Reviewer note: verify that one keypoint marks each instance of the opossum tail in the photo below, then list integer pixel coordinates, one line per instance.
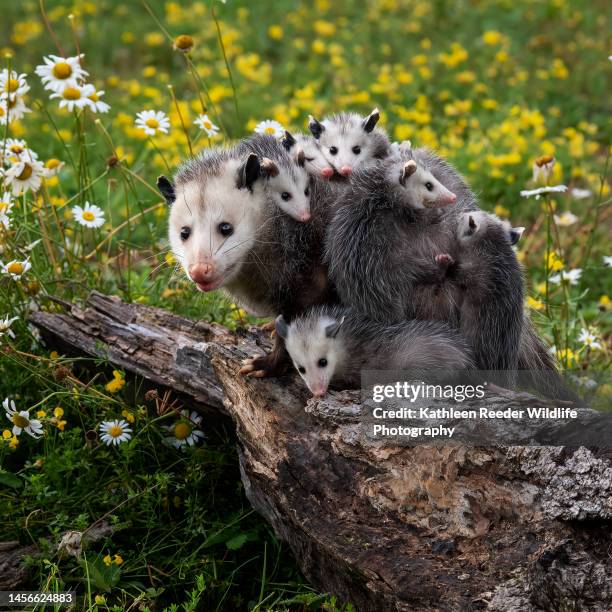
(538, 367)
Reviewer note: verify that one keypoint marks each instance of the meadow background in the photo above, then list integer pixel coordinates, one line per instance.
(492, 85)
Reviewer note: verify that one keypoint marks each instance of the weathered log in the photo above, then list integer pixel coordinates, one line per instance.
(381, 525)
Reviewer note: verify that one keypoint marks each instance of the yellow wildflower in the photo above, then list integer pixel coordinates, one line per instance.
(275, 32)
(534, 303)
(115, 385)
(555, 263)
(491, 37)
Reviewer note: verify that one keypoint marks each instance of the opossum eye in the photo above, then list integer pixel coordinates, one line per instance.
(333, 150)
(225, 229)
(286, 196)
(185, 233)
(307, 191)
(356, 150)
(301, 369)
(428, 186)
(322, 362)
(310, 159)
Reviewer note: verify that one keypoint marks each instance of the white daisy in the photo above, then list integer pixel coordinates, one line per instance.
(97, 106)
(24, 175)
(607, 259)
(12, 110)
(89, 215)
(75, 96)
(271, 127)
(60, 72)
(16, 269)
(6, 204)
(5, 327)
(527, 193)
(152, 122)
(21, 420)
(184, 432)
(115, 432)
(581, 194)
(565, 219)
(15, 150)
(204, 123)
(12, 85)
(589, 339)
(571, 276)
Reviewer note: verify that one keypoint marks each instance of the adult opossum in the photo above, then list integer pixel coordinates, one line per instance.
(227, 233)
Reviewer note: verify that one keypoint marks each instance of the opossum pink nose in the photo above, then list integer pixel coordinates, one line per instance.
(201, 272)
(346, 170)
(327, 172)
(303, 217)
(451, 198)
(318, 393)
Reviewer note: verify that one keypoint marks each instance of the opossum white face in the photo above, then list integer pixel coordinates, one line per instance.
(288, 188)
(305, 150)
(347, 141)
(214, 222)
(420, 187)
(315, 349)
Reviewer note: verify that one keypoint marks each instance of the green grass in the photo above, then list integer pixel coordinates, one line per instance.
(491, 85)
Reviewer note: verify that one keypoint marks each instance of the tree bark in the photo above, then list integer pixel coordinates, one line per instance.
(384, 526)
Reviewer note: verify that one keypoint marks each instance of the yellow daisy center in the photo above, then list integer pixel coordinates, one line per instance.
(12, 85)
(53, 163)
(17, 149)
(62, 70)
(15, 268)
(72, 93)
(182, 431)
(115, 431)
(184, 42)
(94, 96)
(269, 130)
(207, 124)
(88, 215)
(26, 173)
(2, 113)
(20, 421)
(152, 122)
(3, 207)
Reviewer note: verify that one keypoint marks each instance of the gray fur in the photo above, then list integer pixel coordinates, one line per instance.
(381, 256)
(358, 343)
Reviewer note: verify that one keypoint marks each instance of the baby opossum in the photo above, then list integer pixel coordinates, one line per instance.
(287, 181)
(349, 141)
(332, 345)
(305, 147)
(227, 234)
(383, 247)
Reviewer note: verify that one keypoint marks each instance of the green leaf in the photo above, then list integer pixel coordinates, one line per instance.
(238, 541)
(10, 480)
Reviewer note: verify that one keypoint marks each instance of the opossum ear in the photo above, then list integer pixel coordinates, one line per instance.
(301, 158)
(407, 171)
(268, 167)
(248, 172)
(315, 127)
(166, 188)
(288, 141)
(515, 234)
(331, 331)
(281, 327)
(369, 123)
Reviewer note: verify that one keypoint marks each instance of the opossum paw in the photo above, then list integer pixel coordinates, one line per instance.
(444, 259)
(260, 366)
